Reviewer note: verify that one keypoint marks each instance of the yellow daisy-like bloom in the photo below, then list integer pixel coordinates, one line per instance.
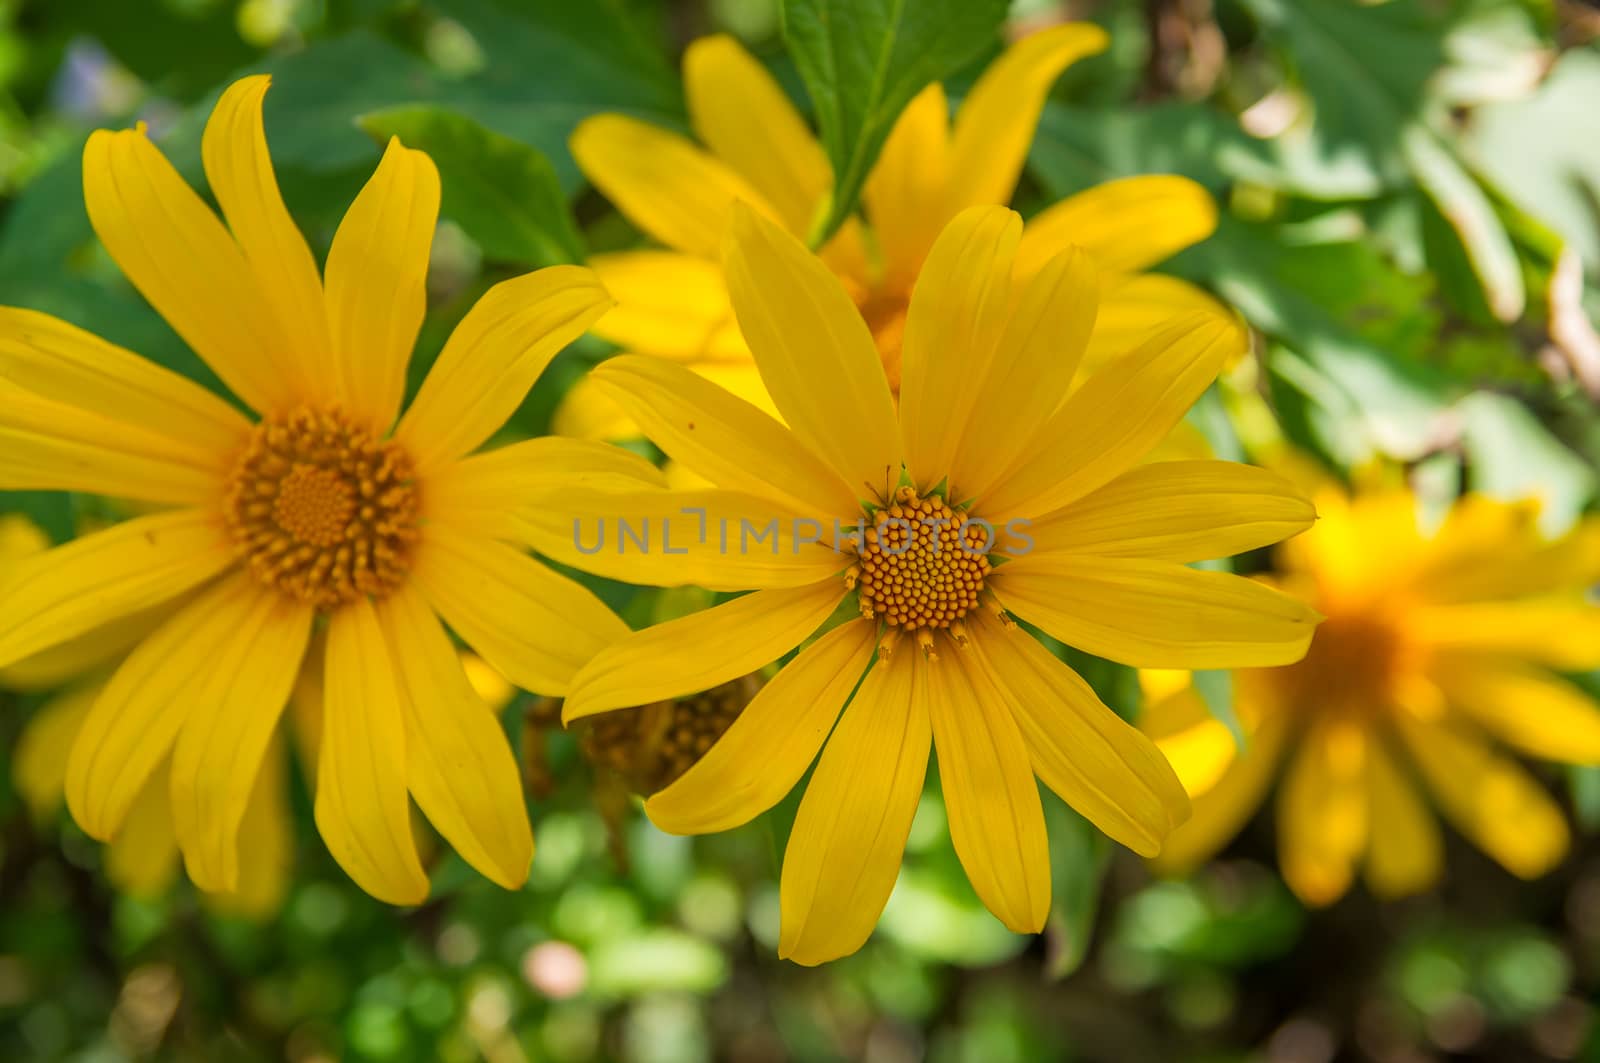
(323, 507)
(978, 434)
(757, 150)
(1436, 645)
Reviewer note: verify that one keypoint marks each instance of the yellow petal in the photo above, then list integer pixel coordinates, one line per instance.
(142, 860)
(1095, 761)
(663, 183)
(478, 585)
(185, 663)
(1128, 224)
(1199, 746)
(53, 446)
(1406, 853)
(361, 806)
(1034, 363)
(177, 253)
(1177, 511)
(494, 356)
(220, 748)
(772, 742)
(482, 492)
(1538, 713)
(816, 355)
(1117, 416)
(669, 304)
(459, 765)
(1156, 614)
(376, 284)
(90, 581)
(1563, 633)
(39, 765)
(1488, 797)
(905, 194)
(62, 363)
(995, 123)
(723, 438)
(740, 112)
(587, 411)
(239, 170)
(956, 315)
(305, 706)
(1224, 808)
(265, 862)
(48, 669)
(996, 821)
(1489, 549)
(1322, 812)
(1133, 307)
(722, 540)
(844, 851)
(667, 660)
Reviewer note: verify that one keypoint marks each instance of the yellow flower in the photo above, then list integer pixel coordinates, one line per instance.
(978, 434)
(1436, 646)
(674, 303)
(323, 507)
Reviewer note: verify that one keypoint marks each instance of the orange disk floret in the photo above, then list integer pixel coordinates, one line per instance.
(922, 565)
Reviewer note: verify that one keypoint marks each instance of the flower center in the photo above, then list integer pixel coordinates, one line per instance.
(1353, 664)
(651, 747)
(321, 509)
(921, 567)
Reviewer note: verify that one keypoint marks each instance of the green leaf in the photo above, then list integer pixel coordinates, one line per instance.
(1510, 455)
(502, 192)
(863, 61)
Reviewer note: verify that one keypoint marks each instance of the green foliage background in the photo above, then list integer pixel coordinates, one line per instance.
(1410, 195)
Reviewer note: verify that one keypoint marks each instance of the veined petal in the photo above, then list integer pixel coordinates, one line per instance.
(996, 821)
(1117, 416)
(53, 446)
(1538, 713)
(669, 304)
(268, 828)
(740, 112)
(220, 748)
(1128, 224)
(182, 667)
(1177, 511)
(62, 363)
(1096, 762)
(662, 182)
(722, 437)
(65, 661)
(722, 540)
(478, 584)
(905, 194)
(361, 806)
(1488, 797)
(1563, 633)
(132, 566)
(995, 123)
(494, 356)
(665, 661)
(1405, 854)
(142, 860)
(957, 312)
(1223, 809)
(239, 170)
(816, 355)
(1131, 308)
(1322, 812)
(772, 742)
(1038, 354)
(459, 765)
(176, 252)
(39, 765)
(481, 492)
(376, 284)
(844, 851)
(1156, 614)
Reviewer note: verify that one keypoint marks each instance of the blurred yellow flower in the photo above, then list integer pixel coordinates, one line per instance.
(975, 437)
(674, 303)
(317, 509)
(1437, 645)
